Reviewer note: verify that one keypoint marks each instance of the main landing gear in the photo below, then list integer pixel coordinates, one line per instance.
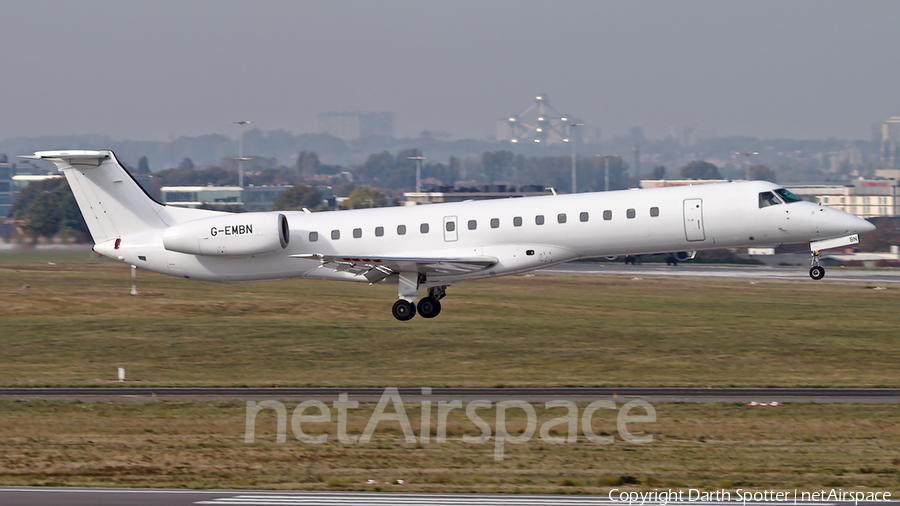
(428, 307)
(816, 272)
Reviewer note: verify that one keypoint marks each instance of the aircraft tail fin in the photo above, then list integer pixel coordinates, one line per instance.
(110, 199)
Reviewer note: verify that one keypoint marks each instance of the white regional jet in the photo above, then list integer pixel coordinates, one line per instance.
(431, 247)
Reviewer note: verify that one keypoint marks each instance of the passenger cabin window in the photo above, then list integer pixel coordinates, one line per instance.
(450, 226)
(473, 224)
(335, 234)
(423, 228)
(539, 219)
(495, 222)
(379, 231)
(357, 233)
(767, 199)
(607, 215)
(561, 217)
(787, 196)
(517, 221)
(583, 216)
(401, 229)
(313, 236)
(654, 212)
(630, 214)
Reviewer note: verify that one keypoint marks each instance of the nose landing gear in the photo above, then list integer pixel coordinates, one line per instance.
(816, 272)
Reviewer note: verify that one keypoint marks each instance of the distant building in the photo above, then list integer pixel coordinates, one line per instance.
(250, 198)
(20, 181)
(486, 192)
(7, 191)
(261, 198)
(196, 196)
(665, 183)
(355, 125)
(890, 143)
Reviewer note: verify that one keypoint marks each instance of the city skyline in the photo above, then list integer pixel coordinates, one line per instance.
(800, 70)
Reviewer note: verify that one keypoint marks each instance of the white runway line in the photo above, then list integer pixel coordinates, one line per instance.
(733, 272)
(378, 499)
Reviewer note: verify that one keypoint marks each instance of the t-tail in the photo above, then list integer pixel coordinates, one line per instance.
(111, 200)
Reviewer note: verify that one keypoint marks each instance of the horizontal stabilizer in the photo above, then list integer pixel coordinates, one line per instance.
(72, 157)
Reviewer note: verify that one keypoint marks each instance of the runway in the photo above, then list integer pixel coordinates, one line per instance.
(36, 496)
(841, 395)
(750, 272)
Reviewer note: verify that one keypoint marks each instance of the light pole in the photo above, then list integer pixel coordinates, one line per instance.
(748, 154)
(605, 172)
(418, 160)
(571, 141)
(241, 152)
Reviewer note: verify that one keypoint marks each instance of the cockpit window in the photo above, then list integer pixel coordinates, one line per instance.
(787, 196)
(767, 199)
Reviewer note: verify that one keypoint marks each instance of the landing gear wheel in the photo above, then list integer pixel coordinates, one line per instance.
(403, 310)
(429, 307)
(817, 272)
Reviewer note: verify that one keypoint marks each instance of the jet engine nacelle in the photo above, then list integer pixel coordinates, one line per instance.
(681, 256)
(230, 235)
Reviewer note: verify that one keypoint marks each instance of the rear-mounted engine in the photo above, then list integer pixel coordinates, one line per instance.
(230, 235)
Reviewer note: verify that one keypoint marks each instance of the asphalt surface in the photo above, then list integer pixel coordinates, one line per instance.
(34, 496)
(885, 276)
(844, 395)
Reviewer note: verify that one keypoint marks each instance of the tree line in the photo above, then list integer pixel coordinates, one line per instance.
(47, 207)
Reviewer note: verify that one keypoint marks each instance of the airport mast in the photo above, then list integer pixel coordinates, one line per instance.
(418, 160)
(240, 157)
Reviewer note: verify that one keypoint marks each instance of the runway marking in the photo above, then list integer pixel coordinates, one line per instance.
(363, 499)
(300, 498)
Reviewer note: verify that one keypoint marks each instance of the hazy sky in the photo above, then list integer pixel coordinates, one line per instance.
(152, 70)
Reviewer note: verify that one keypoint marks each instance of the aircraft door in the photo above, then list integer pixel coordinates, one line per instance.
(693, 220)
(450, 232)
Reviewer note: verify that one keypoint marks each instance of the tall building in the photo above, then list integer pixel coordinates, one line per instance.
(355, 125)
(890, 143)
(7, 191)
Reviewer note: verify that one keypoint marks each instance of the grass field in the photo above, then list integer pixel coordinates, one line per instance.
(201, 445)
(77, 324)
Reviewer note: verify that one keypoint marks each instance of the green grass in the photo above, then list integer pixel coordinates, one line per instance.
(78, 324)
(201, 445)
(24, 258)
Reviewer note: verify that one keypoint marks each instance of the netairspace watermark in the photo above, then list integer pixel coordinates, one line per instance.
(500, 434)
(693, 495)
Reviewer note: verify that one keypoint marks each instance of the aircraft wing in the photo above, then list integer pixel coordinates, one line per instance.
(375, 269)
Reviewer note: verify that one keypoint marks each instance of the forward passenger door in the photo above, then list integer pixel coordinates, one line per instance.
(693, 220)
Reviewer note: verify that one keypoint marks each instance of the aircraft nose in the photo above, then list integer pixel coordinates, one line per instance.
(865, 226)
(853, 224)
(835, 222)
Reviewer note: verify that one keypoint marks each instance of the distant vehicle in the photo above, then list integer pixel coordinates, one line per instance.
(431, 247)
